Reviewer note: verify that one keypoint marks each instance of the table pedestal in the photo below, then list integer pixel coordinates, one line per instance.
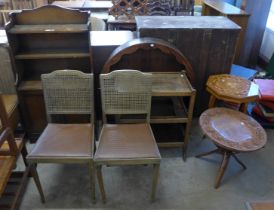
(226, 154)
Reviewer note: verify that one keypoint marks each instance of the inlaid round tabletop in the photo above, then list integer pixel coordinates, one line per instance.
(232, 130)
(232, 87)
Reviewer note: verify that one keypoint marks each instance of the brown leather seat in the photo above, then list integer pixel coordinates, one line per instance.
(126, 141)
(61, 141)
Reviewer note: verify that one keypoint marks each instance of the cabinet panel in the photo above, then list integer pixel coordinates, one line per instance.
(33, 112)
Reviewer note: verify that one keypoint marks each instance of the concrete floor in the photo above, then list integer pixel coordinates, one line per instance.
(182, 185)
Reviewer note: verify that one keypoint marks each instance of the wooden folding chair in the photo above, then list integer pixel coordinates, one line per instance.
(67, 92)
(123, 93)
(10, 149)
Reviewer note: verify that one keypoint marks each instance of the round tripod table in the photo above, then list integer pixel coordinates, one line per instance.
(232, 132)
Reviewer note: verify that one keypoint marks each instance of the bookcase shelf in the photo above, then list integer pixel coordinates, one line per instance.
(52, 53)
(43, 40)
(167, 110)
(30, 85)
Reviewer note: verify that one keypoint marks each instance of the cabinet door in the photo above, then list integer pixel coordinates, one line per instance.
(33, 111)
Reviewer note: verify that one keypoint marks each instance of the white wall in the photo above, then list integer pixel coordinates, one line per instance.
(267, 47)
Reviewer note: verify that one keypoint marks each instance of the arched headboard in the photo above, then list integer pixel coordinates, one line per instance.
(149, 55)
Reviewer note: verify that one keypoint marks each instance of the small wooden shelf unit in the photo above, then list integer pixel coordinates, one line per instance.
(173, 101)
(43, 40)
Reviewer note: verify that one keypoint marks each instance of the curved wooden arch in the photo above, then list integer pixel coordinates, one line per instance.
(148, 44)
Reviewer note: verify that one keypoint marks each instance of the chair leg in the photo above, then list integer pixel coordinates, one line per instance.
(101, 182)
(156, 168)
(35, 176)
(92, 182)
(225, 161)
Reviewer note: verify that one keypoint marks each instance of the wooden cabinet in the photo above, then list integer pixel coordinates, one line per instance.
(43, 40)
(215, 8)
(208, 43)
(252, 18)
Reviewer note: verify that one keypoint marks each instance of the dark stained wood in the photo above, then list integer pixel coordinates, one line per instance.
(240, 17)
(208, 43)
(43, 40)
(33, 112)
(121, 23)
(148, 55)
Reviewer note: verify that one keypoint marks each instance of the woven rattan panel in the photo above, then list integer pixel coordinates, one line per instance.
(126, 92)
(7, 83)
(68, 92)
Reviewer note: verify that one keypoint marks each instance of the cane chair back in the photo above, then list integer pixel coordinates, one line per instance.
(126, 92)
(7, 82)
(68, 92)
